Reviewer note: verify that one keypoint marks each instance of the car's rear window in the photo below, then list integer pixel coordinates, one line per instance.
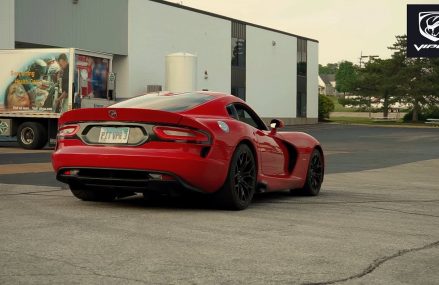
(170, 103)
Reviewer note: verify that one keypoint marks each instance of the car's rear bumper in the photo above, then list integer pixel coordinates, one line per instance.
(123, 179)
(107, 166)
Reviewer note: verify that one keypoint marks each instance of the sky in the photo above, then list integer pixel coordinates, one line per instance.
(345, 29)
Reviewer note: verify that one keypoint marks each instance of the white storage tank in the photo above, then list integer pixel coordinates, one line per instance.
(181, 72)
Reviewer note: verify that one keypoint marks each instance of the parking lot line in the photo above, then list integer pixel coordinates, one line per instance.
(332, 152)
(8, 150)
(25, 168)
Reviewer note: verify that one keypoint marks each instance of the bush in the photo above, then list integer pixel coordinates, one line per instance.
(429, 113)
(408, 117)
(433, 113)
(326, 106)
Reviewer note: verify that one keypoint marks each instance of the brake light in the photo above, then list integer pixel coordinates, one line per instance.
(68, 130)
(181, 135)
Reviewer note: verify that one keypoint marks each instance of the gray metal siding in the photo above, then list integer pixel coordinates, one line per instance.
(6, 24)
(97, 25)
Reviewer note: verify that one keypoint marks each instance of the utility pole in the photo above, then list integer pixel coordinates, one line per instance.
(370, 57)
(361, 58)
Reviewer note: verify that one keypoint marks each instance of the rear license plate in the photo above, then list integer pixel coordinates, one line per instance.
(114, 135)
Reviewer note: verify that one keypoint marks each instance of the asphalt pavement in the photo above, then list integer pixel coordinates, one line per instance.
(375, 222)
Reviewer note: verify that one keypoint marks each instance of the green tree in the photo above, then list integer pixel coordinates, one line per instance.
(417, 79)
(409, 80)
(346, 77)
(330, 68)
(376, 80)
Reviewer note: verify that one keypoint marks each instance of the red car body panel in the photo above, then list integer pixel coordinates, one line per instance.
(181, 161)
(282, 157)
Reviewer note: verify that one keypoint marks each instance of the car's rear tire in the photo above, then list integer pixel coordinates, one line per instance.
(239, 188)
(314, 177)
(31, 135)
(87, 194)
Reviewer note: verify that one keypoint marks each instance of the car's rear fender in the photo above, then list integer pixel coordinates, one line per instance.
(229, 136)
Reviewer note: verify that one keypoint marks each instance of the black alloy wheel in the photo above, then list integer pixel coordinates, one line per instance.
(239, 188)
(316, 172)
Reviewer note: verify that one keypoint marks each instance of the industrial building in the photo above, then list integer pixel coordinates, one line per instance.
(274, 71)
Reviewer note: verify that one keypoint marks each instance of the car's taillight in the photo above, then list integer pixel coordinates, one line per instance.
(68, 130)
(181, 135)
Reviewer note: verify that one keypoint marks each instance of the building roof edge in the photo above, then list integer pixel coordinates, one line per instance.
(230, 19)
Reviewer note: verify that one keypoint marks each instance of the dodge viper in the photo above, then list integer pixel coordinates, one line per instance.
(205, 142)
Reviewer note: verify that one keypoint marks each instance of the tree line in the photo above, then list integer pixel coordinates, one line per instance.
(414, 81)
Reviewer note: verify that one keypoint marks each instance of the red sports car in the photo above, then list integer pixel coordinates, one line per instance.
(201, 141)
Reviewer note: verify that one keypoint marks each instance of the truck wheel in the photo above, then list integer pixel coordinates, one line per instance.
(32, 135)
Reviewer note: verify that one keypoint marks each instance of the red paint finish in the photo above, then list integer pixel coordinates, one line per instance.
(188, 144)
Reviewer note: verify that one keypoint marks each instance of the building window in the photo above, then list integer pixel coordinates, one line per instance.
(238, 52)
(239, 92)
(301, 96)
(238, 56)
(301, 77)
(301, 57)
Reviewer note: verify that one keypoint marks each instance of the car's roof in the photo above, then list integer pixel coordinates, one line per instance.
(169, 93)
(194, 102)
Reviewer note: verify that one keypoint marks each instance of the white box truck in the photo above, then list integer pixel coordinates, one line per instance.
(38, 85)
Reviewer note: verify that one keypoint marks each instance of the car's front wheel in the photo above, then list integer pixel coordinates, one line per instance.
(87, 194)
(239, 188)
(314, 177)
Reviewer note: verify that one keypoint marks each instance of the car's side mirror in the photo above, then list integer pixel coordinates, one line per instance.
(276, 124)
